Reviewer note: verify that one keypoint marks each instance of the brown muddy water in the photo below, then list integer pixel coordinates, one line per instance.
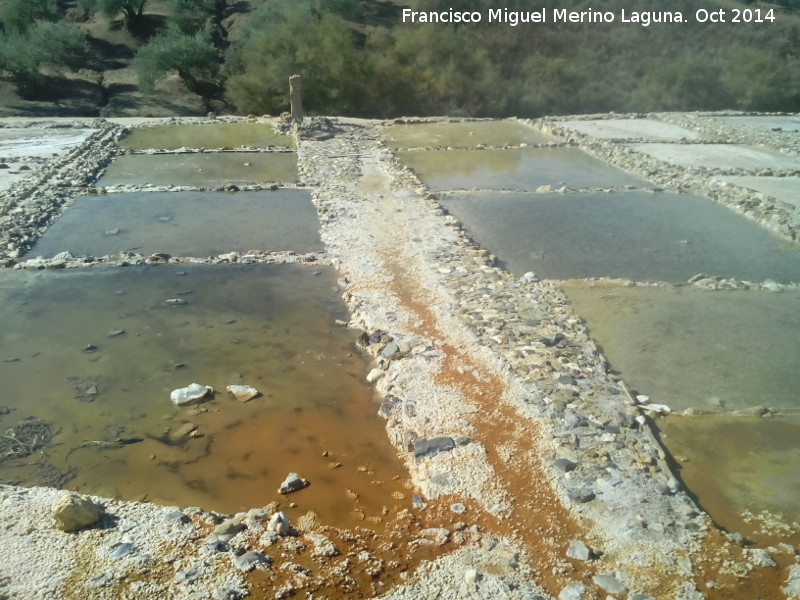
(513, 169)
(206, 135)
(210, 169)
(743, 471)
(466, 134)
(195, 224)
(717, 351)
(94, 354)
(631, 235)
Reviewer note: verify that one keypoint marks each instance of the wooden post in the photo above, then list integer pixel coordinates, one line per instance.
(296, 99)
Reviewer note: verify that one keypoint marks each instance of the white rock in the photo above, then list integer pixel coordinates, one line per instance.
(75, 511)
(660, 409)
(574, 591)
(190, 394)
(374, 375)
(243, 393)
(280, 524)
(471, 578)
(292, 483)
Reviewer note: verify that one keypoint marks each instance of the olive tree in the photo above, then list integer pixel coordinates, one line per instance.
(132, 10)
(57, 46)
(193, 57)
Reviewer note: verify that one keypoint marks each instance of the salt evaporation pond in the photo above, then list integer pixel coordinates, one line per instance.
(621, 129)
(39, 142)
(95, 354)
(463, 134)
(185, 224)
(692, 348)
(513, 169)
(773, 122)
(633, 235)
(205, 135)
(740, 467)
(720, 156)
(201, 169)
(717, 351)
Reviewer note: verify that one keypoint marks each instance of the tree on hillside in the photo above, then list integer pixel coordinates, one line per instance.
(132, 10)
(324, 50)
(56, 46)
(191, 15)
(193, 57)
(19, 15)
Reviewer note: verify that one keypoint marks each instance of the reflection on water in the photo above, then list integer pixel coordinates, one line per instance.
(96, 354)
(513, 169)
(466, 134)
(185, 224)
(738, 464)
(687, 347)
(201, 169)
(207, 135)
(633, 235)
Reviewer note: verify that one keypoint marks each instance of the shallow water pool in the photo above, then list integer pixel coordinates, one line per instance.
(739, 468)
(207, 169)
(687, 347)
(466, 134)
(195, 224)
(95, 353)
(513, 169)
(632, 235)
(205, 135)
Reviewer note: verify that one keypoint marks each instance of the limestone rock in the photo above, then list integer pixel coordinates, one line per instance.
(578, 550)
(243, 393)
(610, 584)
(250, 560)
(374, 375)
(292, 483)
(574, 591)
(75, 511)
(432, 447)
(582, 494)
(190, 394)
(280, 524)
(564, 465)
(229, 528)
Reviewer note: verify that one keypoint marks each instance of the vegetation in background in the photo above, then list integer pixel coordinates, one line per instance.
(19, 15)
(132, 10)
(44, 44)
(497, 70)
(357, 57)
(190, 16)
(193, 57)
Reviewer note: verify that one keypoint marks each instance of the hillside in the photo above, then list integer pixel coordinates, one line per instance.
(359, 58)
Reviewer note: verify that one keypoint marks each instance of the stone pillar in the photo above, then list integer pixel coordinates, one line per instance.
(296, 99)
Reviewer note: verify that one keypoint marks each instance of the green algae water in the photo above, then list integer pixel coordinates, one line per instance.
(513, 169)
(632, 235)
(465, 134)
(195, 224)
(95, 353)
(203, 169)
(205, 135)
